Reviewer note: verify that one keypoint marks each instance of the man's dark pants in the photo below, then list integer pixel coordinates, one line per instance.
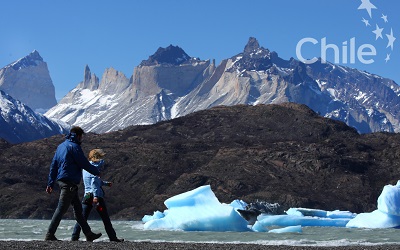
(68, 196)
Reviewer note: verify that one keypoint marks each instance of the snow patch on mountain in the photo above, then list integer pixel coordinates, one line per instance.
(19, 123)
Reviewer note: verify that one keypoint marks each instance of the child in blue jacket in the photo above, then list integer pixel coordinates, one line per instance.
(94, 196)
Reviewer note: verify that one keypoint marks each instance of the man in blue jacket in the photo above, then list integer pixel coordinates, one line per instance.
(66, 169)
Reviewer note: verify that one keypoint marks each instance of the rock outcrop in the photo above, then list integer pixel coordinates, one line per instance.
(29, 81)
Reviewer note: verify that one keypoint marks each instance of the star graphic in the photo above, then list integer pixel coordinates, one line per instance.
(387, 58)
(384, 18)
(367, 5)
(378, 32)
(391, 39)
(366, 22)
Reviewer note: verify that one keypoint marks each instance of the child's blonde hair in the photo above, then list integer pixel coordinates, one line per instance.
(96, 154)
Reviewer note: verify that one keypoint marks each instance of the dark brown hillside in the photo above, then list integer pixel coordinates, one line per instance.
(278, 153)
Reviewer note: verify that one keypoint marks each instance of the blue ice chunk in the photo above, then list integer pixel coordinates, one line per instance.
(294, 211)
(291, 229)
(307, 212)
(156, 215)
(198, 210)
(388, 213)
(239, 204)
(258, 227)
(375, 219)
(200, 196)
(294, 220)
(336, 214)
(389, 200)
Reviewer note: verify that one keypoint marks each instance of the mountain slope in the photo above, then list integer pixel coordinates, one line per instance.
(366, 101)
(19, 123)
(172, 84)
(29, 81)
(282, 153)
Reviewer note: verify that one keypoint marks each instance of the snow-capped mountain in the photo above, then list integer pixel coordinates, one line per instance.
(365, 101)
(171, 84)
(28, 80)
(19, 123)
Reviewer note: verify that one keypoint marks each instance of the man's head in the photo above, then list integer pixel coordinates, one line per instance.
(78, 131)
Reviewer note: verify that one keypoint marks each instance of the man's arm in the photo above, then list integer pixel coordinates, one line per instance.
(52, 175)
(83, 162)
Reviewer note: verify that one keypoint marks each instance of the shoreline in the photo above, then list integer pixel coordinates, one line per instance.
(36, 244)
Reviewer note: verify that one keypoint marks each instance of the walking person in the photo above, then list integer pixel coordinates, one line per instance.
(94, 196)
(66, 169)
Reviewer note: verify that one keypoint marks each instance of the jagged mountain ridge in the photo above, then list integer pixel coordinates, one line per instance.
(147, 97)
(171, 84)
(28, 80)
(19, 123)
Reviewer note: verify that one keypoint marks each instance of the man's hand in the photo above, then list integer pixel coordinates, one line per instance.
(49, 190)
(95, 200)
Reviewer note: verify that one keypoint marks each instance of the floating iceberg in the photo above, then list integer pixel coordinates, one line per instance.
(388, 213)
(197, 210)
(375, 219)
(302, 217)
(200, 210)
(320, 213)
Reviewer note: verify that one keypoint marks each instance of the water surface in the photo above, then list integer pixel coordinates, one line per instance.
(26, 230)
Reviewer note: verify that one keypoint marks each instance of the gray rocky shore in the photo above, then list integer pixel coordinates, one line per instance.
(165, 245)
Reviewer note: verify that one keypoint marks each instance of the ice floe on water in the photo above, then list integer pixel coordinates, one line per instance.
(200, 210)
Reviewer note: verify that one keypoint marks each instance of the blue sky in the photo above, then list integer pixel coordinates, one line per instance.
(120, 34)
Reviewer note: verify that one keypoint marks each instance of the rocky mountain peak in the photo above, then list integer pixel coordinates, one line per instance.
(28, 80)
(170, 55)
(87, 74)
(252, 45)
(113, 81)
(33, 59)
(253, 57)
(90, 81)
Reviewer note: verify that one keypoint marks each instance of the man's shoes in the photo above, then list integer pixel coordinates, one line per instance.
(51, 237)
(117, 240)
(74, 238)
(93, 236)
